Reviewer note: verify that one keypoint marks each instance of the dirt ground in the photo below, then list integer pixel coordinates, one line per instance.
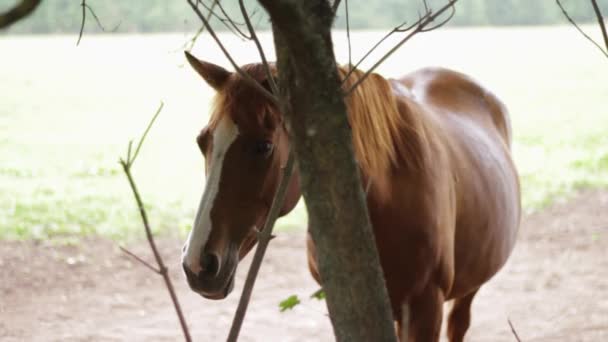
(554, 288)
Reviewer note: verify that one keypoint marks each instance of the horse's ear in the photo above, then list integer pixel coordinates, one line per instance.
(214, 75)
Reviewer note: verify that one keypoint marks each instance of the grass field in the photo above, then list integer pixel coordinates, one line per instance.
(67, 114)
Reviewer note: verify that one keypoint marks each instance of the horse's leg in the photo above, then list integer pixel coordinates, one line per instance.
(460, 317)
(426, 310)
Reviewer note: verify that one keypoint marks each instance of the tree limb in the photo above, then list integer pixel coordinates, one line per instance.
(85, 7)
(264, 238)
(20, 11)
(254, 37)
(420, 26)
(334, 7)
(561, 7)
(190, 44)
(513, 331)
(350, 62)
(245, 76)
(600, 20)
(162, 269)
(140, 260)
(228, 22)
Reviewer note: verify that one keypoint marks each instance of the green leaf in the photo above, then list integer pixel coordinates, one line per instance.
(289, 303)
(319, 294)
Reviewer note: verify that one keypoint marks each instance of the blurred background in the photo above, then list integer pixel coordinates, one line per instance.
(67, 114)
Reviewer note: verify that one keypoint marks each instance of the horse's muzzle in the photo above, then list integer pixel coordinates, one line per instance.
(214, 281)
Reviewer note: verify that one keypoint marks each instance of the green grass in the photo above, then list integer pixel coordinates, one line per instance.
(67, 114)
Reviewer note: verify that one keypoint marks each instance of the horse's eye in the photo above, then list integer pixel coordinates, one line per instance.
(263, 148)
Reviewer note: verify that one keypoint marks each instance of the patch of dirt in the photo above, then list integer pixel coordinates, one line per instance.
(552, 289)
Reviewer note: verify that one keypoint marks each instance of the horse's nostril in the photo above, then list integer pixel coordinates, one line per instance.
(210, 264)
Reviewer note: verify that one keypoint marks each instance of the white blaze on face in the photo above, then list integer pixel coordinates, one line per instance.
(223, 136)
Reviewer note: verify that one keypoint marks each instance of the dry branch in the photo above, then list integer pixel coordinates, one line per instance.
(254, 37)
(228, 22)
(513, 331)
(350, 61)
(600, 19)
(244, 75)
(86, 7)
(18, 12)
(162, 269)
(264, 238)
(422, 25)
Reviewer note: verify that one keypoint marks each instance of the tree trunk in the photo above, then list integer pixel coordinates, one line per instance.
(339, 222)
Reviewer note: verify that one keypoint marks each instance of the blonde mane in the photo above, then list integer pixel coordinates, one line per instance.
(386, 133)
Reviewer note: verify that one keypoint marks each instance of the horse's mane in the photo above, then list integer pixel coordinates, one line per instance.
(386, 133)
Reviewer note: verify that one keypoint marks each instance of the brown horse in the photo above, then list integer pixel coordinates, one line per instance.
(443, 193)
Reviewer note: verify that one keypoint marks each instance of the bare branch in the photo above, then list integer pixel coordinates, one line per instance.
(142, 261)
(581, 30)
(513, 331)
(600, 20)
(420, 26)
(228, 22)
(350, 61)
(264, 238)
(84, 19)
(20, 11)
(244, 75)
(334, 7)
(234, 23)
(399, 28)
(254, 37)
(143, 137)
(190, 44)
(162, 269)
(85, 7)
(449, 17)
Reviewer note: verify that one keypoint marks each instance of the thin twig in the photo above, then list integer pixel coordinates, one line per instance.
(246, 77)
(143, 137)
(162, 269)
(600, 20)
(190, 44)
(18, 12)
(234, 24)
(579, 29)
(83, 20)
(254, 37)
(334, 7)
(513, 331)
(263, 238)
(421, 26)
(85, 7)
(142, 261)
(375, 46)
(226, 20)
(350, 61)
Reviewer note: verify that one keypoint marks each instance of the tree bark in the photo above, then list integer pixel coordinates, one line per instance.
(339, 222)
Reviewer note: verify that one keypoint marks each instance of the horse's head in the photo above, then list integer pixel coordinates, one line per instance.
(245, 145)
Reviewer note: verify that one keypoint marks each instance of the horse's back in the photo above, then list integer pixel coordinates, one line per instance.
(442, 88)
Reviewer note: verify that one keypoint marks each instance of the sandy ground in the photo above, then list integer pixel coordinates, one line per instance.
(554, 288)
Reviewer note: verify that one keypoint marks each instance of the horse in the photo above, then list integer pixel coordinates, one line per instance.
(443, 195)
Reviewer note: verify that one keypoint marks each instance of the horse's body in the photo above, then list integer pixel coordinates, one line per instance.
(443, 194)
